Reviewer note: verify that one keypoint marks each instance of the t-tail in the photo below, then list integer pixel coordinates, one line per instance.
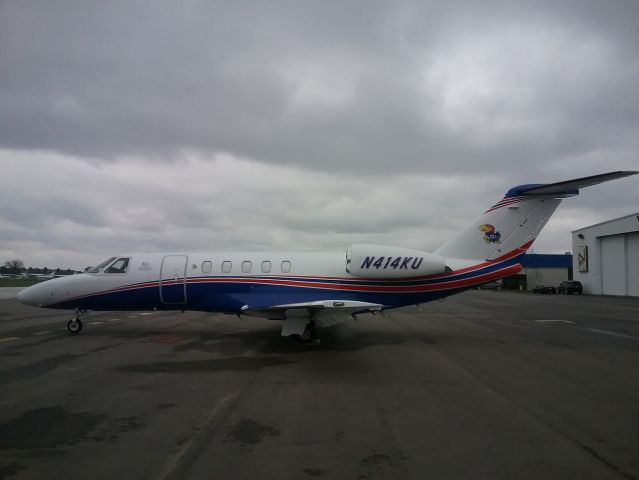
(513, 223)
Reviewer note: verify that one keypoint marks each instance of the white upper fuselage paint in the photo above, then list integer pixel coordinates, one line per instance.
(146, 267)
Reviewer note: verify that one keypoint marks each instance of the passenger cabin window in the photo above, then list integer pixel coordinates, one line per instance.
(246, 266)
(286, 266)
(226, 266)
(266, 266)
(207, 266)
(119, 266)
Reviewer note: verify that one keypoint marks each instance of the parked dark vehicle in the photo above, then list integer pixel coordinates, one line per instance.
(544, 289)
(570, 286)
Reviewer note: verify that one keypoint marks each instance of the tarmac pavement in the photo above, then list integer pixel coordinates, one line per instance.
(487, 384)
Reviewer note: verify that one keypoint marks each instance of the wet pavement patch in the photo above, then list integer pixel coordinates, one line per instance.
(376, 459)
(49, 427)
(46, 429)
(383, 459)
(227, 344)
(162, 339)
(46, 365)
(314, 472)
(36, 369)
(239, 364)
(110, 431)
(249, 432)
(11, 469)
(329, 342)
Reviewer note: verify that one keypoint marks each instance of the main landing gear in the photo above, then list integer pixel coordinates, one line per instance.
(75, 324)
(298, 324)
(310, 334)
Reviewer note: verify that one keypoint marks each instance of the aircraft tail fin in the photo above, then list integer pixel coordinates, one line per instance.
(515, 221)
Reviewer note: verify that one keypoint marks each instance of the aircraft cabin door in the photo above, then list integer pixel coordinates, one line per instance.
(173, 279)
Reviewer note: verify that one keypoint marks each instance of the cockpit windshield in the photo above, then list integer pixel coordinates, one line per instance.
(100, 267)
(119, 266)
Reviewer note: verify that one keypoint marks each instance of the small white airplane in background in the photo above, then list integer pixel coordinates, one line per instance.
(40, 276)
(305, 289)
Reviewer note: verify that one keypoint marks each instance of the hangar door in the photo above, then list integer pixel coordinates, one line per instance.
(632, 247)
(620, 264)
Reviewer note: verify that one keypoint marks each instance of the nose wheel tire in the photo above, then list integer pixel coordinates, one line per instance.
(74, 326)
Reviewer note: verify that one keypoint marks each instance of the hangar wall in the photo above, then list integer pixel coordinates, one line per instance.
(544, 269)
(606, 256)
(544, 276)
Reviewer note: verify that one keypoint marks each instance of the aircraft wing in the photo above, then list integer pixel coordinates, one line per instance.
(320, 304)
(324, 312)
(571, 187)
(353, 305)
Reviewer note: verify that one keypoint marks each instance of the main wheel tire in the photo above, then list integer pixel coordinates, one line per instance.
(74, 326)
(309, 335)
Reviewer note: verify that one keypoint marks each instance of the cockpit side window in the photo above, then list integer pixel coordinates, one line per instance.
(119, 266)
(100, 266)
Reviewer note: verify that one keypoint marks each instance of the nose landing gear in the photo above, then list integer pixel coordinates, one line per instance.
(75, 324)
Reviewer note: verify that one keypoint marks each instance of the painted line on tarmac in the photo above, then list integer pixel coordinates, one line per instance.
(614, 334)
(553, 321)
(96, 322)
(9, 339)
(42, 332)
(111, 320)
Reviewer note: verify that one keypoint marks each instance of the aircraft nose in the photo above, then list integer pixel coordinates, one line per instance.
(30, 296)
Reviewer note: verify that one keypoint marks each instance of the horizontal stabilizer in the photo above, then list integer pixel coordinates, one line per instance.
(568, 187)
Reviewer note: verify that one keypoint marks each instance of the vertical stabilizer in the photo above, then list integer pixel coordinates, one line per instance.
(516, 220)
(511, 223)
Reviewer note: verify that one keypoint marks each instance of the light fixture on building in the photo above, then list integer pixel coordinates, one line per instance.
(581, 236)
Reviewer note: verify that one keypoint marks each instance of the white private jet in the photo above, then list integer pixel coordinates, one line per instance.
(305, 289)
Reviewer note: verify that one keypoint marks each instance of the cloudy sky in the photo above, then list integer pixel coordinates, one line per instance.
(306, 125)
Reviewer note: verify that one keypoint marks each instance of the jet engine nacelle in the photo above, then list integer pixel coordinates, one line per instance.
(379, 261)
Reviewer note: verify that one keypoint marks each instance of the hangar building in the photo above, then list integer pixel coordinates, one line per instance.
(541, 269)
(606, 256)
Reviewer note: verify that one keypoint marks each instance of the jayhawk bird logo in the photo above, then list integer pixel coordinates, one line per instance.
(491, 235)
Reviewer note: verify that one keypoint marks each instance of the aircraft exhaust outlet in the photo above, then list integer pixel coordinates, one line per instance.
(379, 261)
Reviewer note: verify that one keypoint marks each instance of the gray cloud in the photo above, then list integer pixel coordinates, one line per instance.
(423, 84)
